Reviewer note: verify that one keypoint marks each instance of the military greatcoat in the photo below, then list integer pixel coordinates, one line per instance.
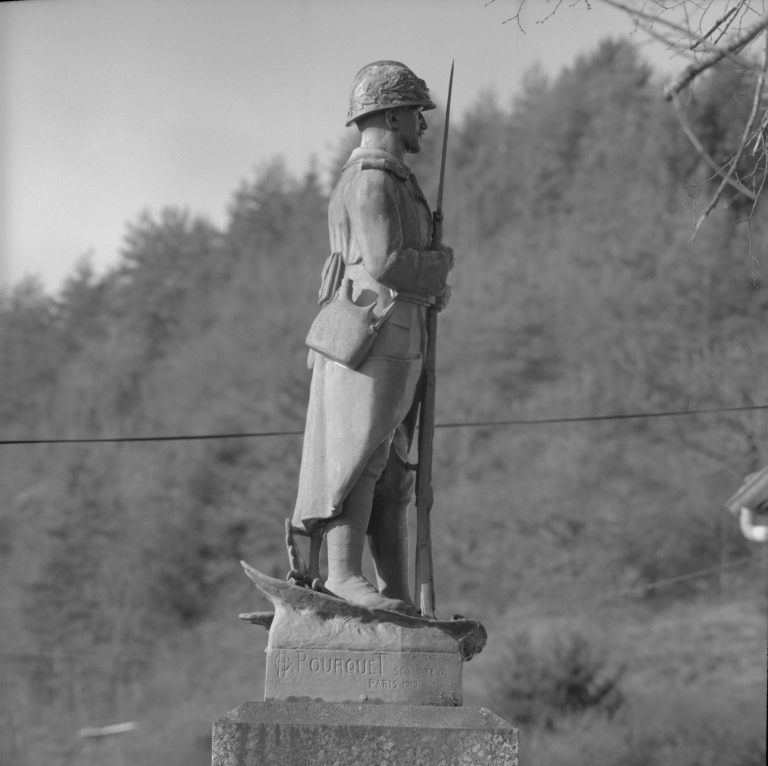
(381, 225)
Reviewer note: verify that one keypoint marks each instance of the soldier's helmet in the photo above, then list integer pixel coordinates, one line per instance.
(386, 85)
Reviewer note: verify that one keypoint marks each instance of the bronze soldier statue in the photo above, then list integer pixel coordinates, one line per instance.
(355, 479)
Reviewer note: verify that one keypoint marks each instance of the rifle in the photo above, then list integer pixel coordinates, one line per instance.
(425, 579)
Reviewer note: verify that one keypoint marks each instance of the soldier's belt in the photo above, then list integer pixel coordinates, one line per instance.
(419, 300)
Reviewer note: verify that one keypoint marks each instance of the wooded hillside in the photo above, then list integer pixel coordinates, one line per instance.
(575, 294)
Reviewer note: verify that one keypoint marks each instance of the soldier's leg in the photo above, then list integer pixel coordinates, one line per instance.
(388, 525)
(345, 535)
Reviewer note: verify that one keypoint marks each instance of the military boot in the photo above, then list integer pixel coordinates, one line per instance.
(388, 541)
(345, 536)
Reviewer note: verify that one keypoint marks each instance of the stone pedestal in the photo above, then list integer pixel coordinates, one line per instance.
(313, 674)
(344, 734)
(352, 686)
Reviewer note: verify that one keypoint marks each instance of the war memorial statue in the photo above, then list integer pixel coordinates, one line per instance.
(347, 656)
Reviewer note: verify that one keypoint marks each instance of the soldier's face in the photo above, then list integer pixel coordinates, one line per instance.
(412, 127)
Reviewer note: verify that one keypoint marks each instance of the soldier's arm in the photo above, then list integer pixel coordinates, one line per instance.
(380, 234)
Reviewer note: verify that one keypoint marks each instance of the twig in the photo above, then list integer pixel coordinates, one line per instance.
(687, 17)
(649, 17)
(726, 27)
(727, 15)
(705, 155)
(742, 145)
(694, 70)
(708, 47)
(760, 133)
(679, 46)
(516, 17)
(550, 15)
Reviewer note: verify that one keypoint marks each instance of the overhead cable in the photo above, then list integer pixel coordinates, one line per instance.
(469, 424)
(637, 589)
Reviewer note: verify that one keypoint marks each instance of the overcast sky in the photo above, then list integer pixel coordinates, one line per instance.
(110, 107)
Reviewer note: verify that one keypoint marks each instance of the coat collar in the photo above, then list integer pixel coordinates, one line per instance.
(378, 159)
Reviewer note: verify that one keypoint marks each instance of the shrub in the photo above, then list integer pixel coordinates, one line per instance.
(543, 682)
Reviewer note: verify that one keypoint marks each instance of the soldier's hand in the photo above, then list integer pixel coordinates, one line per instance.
(448, 251)
(442, 300)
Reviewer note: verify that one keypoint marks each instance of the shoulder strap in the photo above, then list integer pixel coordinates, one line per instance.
(377, 162)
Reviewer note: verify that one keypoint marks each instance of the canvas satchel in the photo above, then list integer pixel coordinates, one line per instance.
(344, 331)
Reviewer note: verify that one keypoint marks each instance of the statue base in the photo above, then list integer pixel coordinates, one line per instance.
(324, 649)
(336, 675)
(339, 734)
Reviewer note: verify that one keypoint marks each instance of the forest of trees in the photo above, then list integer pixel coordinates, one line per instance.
(575, 293)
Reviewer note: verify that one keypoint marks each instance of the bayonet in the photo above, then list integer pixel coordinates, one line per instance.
(437, 216)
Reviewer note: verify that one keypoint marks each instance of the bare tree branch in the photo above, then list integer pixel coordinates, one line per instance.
(759, 134)
(742, 145)
(516, 17)
(708, 35)
(696, 69)
(705, 154)
(725, 17)
(558, 3)
(740, 61)
(550, 15)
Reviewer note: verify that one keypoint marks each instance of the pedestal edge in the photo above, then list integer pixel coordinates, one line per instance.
(381, 715)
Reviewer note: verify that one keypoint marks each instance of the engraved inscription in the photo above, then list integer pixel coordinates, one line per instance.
(417, 671)
(308, 662)
(382, 683)
(282, 663)
(419, 678)
(394, 683)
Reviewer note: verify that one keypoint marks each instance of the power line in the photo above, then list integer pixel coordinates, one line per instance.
(594, 418)
(470, 424)
(642, 588)
(121, 439)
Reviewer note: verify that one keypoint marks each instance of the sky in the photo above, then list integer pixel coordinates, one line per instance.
(112, 107)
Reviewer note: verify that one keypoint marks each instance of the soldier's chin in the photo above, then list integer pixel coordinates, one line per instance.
(414, 149)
